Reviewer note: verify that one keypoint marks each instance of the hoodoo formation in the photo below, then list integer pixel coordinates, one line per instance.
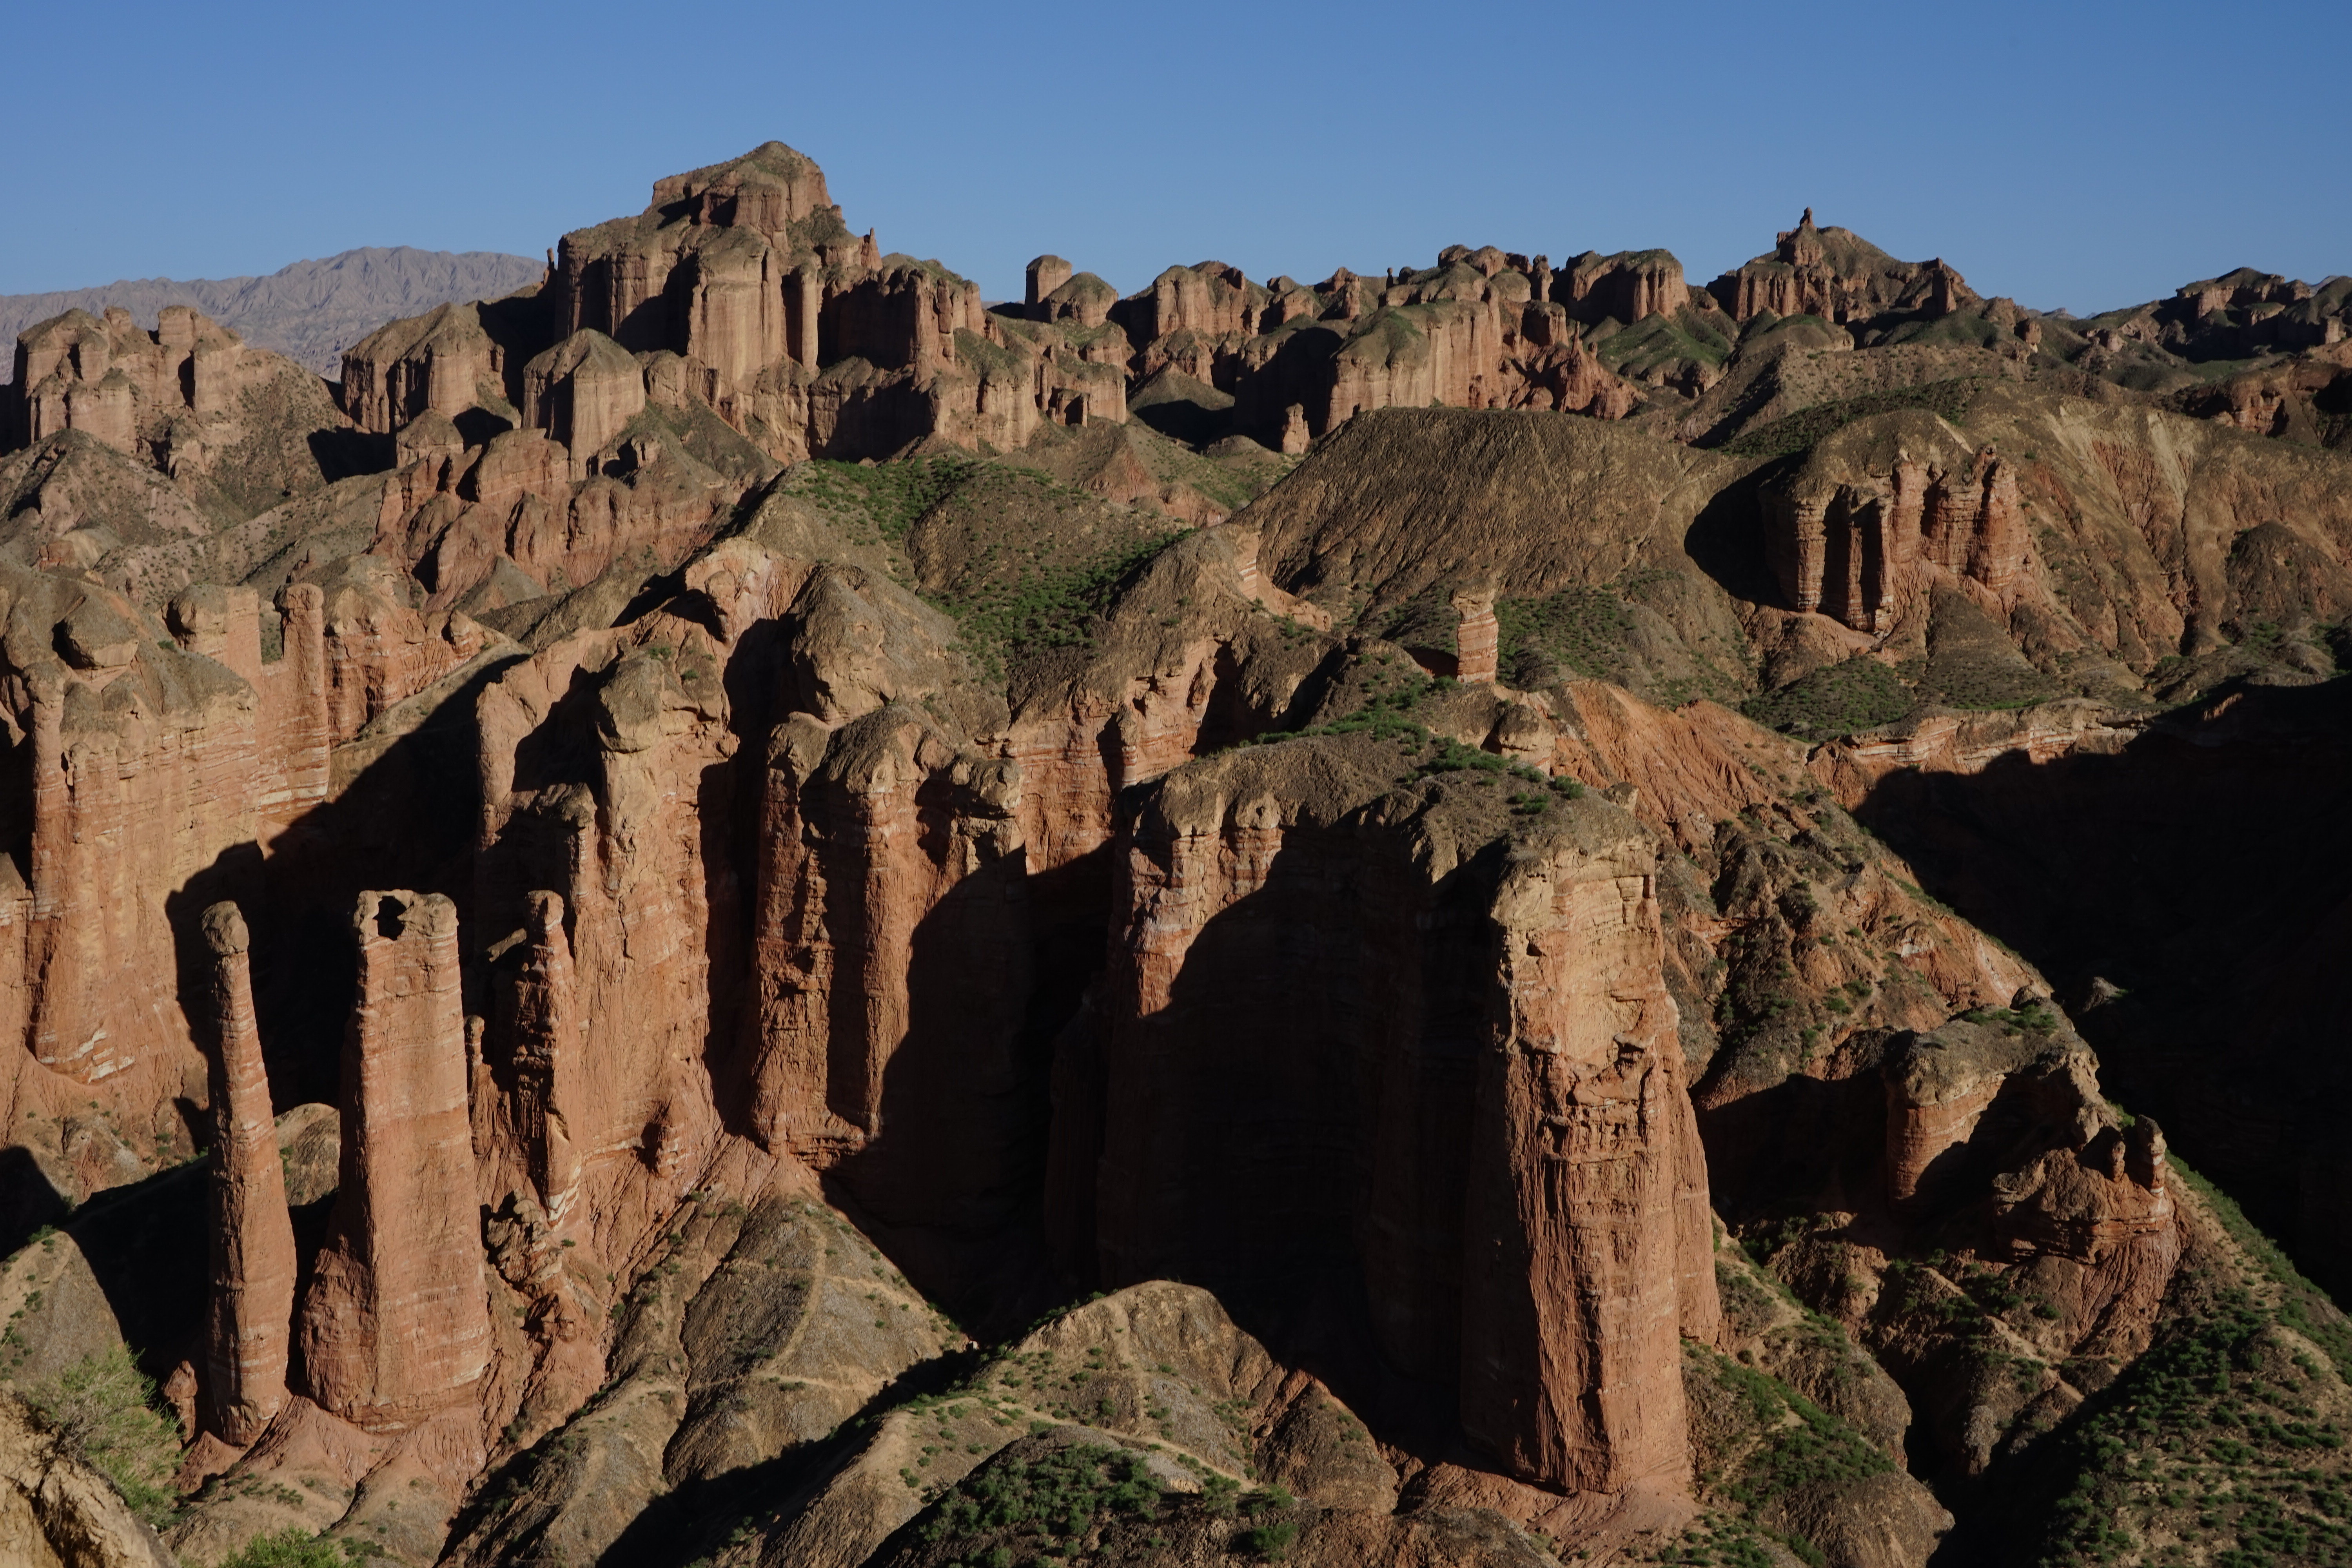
(741, 908)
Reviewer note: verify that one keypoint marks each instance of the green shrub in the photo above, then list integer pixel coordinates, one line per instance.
(1816, 1447)
(1270, 1541)
(288, 1549)
(893, 494)
(103, 1409)
(1578, 631)
(1045, 608)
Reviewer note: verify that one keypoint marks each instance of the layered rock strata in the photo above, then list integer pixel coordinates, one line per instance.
(741, 289)
(131, 389)
(393, 1325)
(1862, 552)
(117, 726)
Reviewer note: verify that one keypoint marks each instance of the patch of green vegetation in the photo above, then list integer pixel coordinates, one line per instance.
(1808, 428)
(1057, 1494)
(892, 494)
(1983, 685)
(1854, 694)
(106, 1413)
(2303, 1306)
(1660, 339)
(1725, 1541)
(2036, 1017)
(2214, 1435)
(1388, 715)
(1814, 1447)
(1582, 631)
(1044, 606)
(1791, 1443)
(1426, 623)
(290, 1549)
(2205, 1425)
(1269, 1540)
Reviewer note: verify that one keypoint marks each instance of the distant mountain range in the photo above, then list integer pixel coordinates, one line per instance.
(310, 310)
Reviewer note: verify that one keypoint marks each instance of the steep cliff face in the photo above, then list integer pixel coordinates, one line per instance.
(1303, 361)
(393, 1324)
(116, 727)
(1516, 1014)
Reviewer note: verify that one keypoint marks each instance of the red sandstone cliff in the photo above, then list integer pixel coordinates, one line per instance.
(394, 1326)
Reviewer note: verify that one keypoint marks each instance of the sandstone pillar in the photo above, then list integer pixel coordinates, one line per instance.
(806, 297)
(394, 1325)
(1953, 503)
(1796, 545)
(1997, 552)
(1585, 1192)
(1906, 504)
(65, 882)
(1475, 639)
(547, 1069)
(296, 702)
(250, 1316)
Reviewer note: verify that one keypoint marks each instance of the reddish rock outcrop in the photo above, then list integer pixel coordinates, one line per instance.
(442, 362)
(126, 386)
(1625, 286)
(583, 393)
(394, 1326)
(1865, 551)
(1591, 1186)
(115, 732)
(550, 1095)
(1836, 274)
(248, 1328)
(1566, 1093)
(1474, 332)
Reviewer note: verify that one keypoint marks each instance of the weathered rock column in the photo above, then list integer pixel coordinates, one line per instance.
(1476, 639)
(394, 1324)
(1584, 1259)
(547, 1092)
(251, 1317)
(803, 302)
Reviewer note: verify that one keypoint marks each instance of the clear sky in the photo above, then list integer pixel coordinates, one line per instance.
(2074, 155)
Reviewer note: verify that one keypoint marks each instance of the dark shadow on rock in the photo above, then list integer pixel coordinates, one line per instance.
(694, 1520)
(1725, 540)
(1802, 1145)
(344, 453)
(2190, 898)
(149, 1245)
(1181, 419)
(28, 1201)
(476, 427)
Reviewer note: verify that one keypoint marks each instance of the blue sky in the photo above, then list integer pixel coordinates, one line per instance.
(2081, 155)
